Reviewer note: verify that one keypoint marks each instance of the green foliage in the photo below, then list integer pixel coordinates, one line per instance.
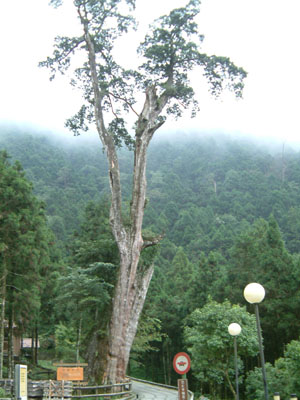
(208, 341)
(260, 256)
(24, 255)
(119, 133)
(147, 342)
(282, 377)
(255, 387)
(3, 393)
(85, 289)
(63, 176)
(210, 279)
(169, 294)
(172, 50)
(94, 241)
(65, 342)
(115, 83)
(149, 332)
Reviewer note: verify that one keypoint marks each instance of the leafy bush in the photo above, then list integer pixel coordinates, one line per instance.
(3, 393)
(65, 342)
(282, 377)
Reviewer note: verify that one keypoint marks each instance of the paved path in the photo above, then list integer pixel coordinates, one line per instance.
(146, 391)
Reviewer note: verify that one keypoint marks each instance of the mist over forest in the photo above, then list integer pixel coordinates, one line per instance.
(268, 143)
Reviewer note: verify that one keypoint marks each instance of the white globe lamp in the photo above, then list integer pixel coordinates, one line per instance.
(254, 293)
(234, 329)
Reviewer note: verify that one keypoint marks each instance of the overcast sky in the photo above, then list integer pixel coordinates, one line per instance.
(262, 36)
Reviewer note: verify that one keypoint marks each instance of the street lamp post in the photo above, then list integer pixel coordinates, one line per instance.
(234, 330)
(254, 293)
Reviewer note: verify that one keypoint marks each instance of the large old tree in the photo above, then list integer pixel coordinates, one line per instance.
(169, 52)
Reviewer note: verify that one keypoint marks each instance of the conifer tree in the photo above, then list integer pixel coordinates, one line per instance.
(260, 256)
(85, 288)
(23, 248)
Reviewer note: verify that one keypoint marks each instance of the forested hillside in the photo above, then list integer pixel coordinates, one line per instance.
(197, 189)
(229, 212)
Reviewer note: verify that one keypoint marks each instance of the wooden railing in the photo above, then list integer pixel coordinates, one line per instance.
(120, 390)
(54, 390)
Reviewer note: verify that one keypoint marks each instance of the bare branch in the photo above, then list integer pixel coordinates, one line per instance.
(112, 106)
(125, 101)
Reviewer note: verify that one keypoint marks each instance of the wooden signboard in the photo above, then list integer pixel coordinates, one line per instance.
(70, 374)
(183, 389)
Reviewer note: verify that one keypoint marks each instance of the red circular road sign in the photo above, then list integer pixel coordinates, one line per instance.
(182, 363)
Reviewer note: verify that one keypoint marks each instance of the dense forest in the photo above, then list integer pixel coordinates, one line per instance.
(229, 213)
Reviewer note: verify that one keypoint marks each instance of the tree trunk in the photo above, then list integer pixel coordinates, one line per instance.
(36, 347)
(11, 343)
(126, 311)
(164, 365)
(229, 383)
(133, 282)
(2, 319)
(32, 346)
(96, 356)
(78, 341)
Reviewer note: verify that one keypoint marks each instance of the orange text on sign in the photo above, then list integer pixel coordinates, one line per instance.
(70, 374)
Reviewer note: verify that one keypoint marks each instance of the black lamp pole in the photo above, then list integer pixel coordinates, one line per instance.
(254, 293)
(236, 369)
(261, 350)
(234, 330)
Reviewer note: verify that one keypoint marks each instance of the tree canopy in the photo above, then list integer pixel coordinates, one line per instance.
(207, 339)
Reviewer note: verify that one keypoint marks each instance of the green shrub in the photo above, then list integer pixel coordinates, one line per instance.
(3, 393)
